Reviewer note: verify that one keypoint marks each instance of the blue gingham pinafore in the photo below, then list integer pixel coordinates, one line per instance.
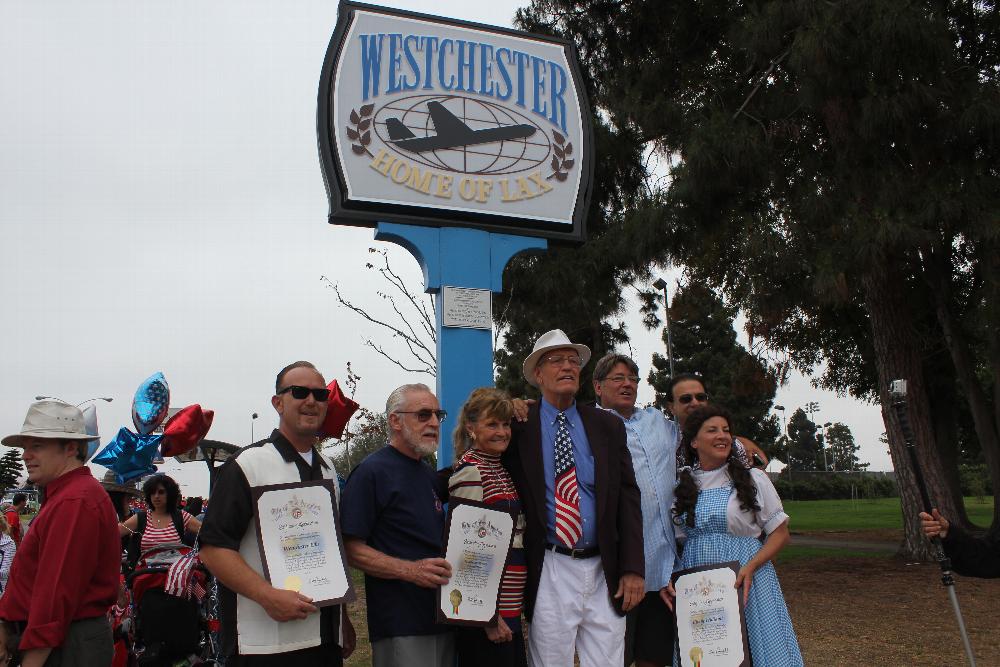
(772, 639)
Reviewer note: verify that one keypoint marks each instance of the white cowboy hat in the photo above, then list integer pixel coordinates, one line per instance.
(50, 419)
(551, 340)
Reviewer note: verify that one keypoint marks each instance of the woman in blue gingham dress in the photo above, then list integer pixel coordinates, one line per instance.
(732, 506)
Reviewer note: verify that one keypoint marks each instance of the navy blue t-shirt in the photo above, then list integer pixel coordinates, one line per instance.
(390, 503)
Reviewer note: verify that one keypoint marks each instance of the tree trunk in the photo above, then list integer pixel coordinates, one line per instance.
(897, 357)
(965, 371)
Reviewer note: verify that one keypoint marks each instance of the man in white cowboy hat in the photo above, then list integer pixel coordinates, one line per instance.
(65, 575)
(583, 537)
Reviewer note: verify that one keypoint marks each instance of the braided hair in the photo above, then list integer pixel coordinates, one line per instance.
(687, 488)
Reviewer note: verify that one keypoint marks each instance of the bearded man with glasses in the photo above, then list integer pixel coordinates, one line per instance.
(393, 523)
(583, 537)
(264, 626)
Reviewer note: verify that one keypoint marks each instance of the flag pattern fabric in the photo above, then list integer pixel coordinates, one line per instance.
(569, 525)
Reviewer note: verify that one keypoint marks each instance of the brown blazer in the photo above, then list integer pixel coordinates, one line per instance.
(619, 514)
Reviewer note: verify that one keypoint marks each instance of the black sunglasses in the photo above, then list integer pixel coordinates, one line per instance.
(425, 414)
(687, 398)
(299, 393)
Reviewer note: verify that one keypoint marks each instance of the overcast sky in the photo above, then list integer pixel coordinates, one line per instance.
(162, 209)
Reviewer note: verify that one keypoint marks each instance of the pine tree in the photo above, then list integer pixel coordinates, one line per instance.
(804, 451)
(704, 342)
(11, 469)
(843, 449)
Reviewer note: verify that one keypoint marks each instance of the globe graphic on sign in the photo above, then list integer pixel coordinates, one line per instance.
(461, 134)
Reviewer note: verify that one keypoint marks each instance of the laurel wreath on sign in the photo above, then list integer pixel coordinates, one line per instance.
(361, 132)
(561, 160)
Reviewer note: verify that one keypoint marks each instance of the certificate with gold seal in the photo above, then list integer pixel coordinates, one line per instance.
(479, 539)
(711, 625)
(301, 548)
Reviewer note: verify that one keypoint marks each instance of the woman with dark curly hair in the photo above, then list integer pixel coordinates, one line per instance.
(721, 510)
(163, 522)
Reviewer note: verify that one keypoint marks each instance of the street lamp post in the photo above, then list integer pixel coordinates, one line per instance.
(826, 443)
(55, 398)
(784, 435)
(253, 418)
(812, 407)
(661, 284)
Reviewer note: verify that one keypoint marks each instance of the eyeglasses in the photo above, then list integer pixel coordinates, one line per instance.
(425, 414)
(299, 393)
(158, 492)
(618, 379)
(560, 359)
(701, 397)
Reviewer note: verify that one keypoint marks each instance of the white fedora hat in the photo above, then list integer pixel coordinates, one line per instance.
(50, 419)
(551, 340)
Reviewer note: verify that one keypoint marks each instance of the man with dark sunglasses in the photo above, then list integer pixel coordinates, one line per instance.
(264, 626)
(686, 394)
(393, 523)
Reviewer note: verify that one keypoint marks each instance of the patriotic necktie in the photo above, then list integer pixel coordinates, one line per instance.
(569, 527)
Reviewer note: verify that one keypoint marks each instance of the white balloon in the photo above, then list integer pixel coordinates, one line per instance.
(90, 424)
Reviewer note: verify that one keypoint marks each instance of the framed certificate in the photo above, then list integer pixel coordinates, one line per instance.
(477, 547)
(301, 549)
(711, 625)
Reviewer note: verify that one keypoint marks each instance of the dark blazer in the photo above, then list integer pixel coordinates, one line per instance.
(619, 515)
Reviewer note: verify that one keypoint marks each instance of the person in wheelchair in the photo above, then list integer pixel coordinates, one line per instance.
(167, 619)
(163, 522)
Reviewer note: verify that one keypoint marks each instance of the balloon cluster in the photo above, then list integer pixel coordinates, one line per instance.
(130, 455)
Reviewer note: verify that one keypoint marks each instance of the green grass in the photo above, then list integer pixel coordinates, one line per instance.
(845, 515)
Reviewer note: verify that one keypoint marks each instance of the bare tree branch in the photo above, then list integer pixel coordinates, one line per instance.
(416, 329)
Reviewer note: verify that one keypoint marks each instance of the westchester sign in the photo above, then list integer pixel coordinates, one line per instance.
(429, 121)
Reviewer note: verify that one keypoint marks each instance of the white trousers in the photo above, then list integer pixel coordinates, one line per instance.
(573, 612)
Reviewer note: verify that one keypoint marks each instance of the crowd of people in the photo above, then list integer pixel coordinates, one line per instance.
(610, 501)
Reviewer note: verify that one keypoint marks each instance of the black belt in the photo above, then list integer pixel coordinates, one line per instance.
(579, 554)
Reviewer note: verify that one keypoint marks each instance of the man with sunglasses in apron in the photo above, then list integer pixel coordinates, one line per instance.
(264, 626)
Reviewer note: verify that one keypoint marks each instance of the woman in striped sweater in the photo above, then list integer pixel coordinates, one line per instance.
(165, 522)
(481, 436)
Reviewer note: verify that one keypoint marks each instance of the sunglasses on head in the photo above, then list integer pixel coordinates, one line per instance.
(687, 398)
(299, 393)
(425, 414)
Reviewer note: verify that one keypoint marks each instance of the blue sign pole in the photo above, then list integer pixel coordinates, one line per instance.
(459, 257)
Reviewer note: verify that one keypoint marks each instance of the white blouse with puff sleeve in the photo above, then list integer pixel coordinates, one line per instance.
(740, 522)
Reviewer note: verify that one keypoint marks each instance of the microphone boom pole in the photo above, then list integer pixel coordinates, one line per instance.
(897, 389)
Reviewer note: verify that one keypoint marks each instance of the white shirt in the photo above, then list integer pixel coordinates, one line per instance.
(307, 457)
(741, 522)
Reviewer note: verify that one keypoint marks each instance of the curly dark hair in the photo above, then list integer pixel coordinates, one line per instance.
(168, 483)
(687, 488)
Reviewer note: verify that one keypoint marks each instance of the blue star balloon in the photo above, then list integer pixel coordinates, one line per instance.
(129, 455)
(149, 407)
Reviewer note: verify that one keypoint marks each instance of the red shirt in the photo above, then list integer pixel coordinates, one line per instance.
(14, 521)
(66, 568)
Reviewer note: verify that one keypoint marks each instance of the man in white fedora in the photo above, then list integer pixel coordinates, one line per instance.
(65, 574)
(583, 536)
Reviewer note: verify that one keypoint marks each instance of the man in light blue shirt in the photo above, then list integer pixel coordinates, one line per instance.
(652, 442)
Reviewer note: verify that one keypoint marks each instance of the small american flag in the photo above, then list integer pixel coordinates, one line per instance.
(569, 526)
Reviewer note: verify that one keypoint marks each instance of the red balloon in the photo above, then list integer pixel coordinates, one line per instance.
(186, 429)
(339, 409)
